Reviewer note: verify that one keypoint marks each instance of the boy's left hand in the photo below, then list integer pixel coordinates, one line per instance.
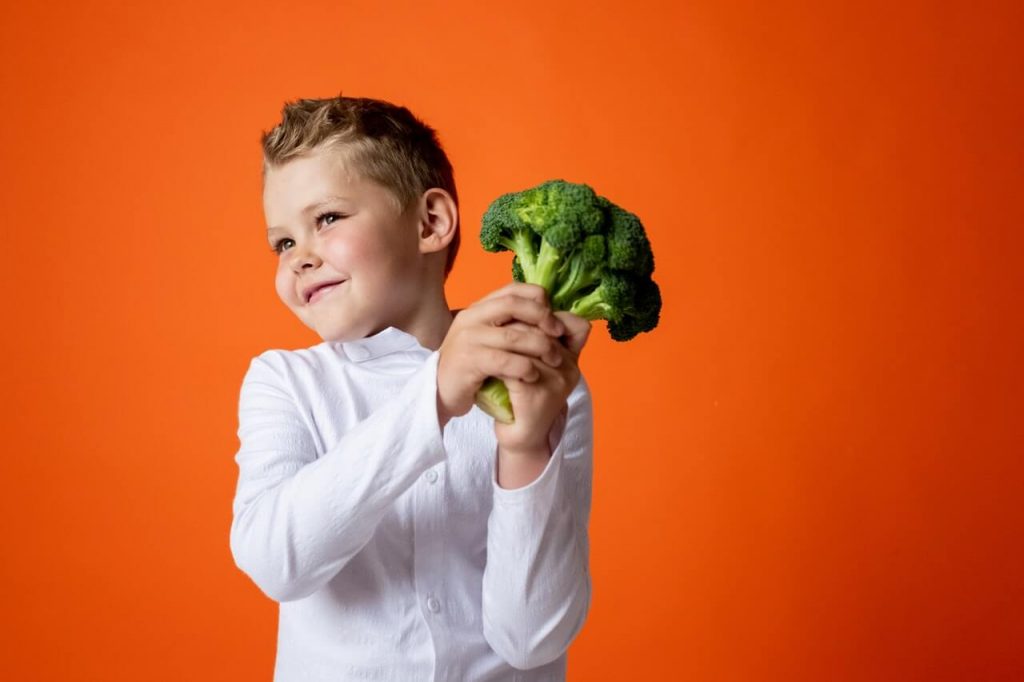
(537, 404)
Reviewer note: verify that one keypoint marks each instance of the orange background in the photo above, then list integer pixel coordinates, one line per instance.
(812, 470)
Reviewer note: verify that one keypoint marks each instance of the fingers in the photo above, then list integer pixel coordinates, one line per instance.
(510, 306)
(509, 366)
(514, 335)
(561, 380)
(577, 330)
(525, 339)
(532, 291)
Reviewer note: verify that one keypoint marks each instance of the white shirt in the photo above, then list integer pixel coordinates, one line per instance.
(391, 548)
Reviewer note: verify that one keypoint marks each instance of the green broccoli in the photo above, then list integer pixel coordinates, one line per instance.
(591, 256)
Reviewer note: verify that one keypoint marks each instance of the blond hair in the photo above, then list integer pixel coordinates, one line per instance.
(386, 143)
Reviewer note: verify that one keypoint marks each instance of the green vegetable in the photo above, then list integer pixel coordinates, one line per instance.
(591, 256)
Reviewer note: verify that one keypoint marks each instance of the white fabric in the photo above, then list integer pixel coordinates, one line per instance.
(393, 552)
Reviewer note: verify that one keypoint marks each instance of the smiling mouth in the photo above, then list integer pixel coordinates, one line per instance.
(323, 291)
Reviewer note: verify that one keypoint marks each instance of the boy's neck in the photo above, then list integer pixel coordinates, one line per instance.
(431, 322)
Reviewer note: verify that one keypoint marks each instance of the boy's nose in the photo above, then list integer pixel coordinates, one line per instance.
(304, 258)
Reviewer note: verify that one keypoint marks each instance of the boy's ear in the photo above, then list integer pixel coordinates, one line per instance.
(438, 220)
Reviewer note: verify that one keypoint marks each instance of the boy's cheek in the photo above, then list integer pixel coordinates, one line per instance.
(285, 287)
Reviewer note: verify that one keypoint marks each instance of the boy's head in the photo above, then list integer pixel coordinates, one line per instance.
(382, 142)
(358, 194)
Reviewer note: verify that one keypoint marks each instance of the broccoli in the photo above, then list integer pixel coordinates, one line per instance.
(591, 256)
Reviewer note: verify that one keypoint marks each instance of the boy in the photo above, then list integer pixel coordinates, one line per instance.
(406, 535)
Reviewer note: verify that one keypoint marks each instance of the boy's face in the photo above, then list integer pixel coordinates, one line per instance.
(359, 240)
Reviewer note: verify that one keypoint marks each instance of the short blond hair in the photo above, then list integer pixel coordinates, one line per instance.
(385, 142)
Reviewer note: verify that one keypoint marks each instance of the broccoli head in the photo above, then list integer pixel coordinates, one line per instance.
(591, 256)
(543, 226)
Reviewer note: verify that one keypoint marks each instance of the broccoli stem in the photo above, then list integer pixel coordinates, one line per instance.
(545, 270)
(493, 399)
(592, 306)
(522, 244)
(580, 277)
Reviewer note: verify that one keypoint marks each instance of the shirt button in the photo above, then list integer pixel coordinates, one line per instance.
(433, 605)
(431, 476)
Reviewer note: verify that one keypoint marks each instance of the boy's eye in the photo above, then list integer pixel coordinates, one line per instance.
(278, 246)
(328, 214)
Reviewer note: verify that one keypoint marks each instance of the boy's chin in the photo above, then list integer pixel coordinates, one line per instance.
(343, 335)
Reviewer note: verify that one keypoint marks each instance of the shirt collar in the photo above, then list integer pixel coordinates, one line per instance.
(389, 340)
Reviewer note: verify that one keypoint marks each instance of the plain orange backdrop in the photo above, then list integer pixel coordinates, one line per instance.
(812, 470)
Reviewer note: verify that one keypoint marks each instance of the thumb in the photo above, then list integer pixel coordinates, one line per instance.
(577, 330)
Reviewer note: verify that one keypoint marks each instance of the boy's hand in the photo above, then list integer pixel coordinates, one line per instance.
(511, 333)
(536, 404)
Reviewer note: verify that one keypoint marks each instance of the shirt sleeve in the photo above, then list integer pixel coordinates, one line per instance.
(298, 519)
(536, 584)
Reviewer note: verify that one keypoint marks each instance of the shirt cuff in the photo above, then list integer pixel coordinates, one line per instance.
(431, 414)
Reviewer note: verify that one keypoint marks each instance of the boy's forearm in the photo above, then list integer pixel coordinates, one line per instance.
(298, 517)
(536, 585)
(518, 469)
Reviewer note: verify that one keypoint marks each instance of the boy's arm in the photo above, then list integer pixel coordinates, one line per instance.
(298, 519)
(536, 585)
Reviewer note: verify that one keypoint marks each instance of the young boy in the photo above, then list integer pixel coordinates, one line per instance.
(406, 534)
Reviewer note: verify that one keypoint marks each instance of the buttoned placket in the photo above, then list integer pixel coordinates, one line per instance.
(428, 508)
(428, 562)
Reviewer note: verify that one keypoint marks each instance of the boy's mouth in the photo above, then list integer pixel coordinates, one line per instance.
(315, 292)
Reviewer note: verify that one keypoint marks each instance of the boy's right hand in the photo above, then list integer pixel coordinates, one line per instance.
(478, 346)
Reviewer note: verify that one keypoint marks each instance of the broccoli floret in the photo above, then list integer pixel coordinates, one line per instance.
(642, 316)
(628, 247)
(630, 304)
(543, 225)
(609, 300)
(591, 256)
(502, 231)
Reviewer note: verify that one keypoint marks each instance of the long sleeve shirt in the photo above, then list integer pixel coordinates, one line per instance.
(392, 550)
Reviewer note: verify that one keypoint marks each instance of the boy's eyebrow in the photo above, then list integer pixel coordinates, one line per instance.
(312, 207)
